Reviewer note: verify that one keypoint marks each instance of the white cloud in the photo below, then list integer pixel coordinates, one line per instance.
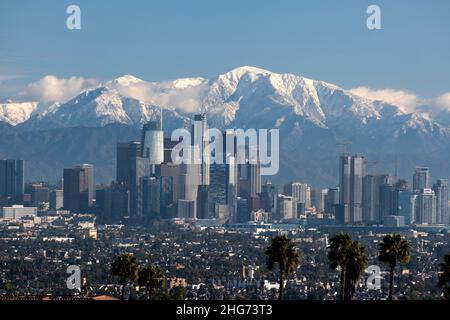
(53, 89)
(443, 101)
(166, 94)
(408, 101)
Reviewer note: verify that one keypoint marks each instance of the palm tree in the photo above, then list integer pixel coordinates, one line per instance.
(357, 262)
(337, 255)
(126, 268)
(393, 248)
(444, 276)
(283, 252)
(151, 277)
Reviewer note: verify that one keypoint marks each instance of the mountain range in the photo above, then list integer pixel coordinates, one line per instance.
(317, 121)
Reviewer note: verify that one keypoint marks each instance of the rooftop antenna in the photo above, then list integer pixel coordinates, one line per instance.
(396, 167)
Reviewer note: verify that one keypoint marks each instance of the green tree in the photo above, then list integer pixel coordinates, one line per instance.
(356, 264)
(283, 252)
(337, 255)
(125, 267)
(444, 276)
(151, 277)
(393, 249)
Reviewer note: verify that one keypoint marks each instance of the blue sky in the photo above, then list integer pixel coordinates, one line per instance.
(159, 40)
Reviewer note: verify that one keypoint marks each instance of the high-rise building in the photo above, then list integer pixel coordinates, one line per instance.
(386, 200)
(269, 193)
(440, 189)
(350, 177)
(426, 207)
(200, 139)
(286, 208)
(39, 194)
(78, 188)
(249, 179)
(56, 199)
(371, 197)
(320, 200)
(186, 209)
(151, 197)
(421, 179)
(299, 192)
(223, 188)
(152, 142)
(332, 200)
(203, 208)
(405, 206)
(113, 202)
(12, 181)
(243, 212)
(126, 155)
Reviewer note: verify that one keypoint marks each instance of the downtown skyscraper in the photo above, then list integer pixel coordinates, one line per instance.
(351, 172)
(12, 178)
(78, 188)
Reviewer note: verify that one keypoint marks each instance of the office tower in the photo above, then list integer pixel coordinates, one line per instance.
(39, 194)
(332, 200)
(319, 202)
(141, 168)
(350, 176)
(286, 207)
(242, 212)
(186, 209)
(190, 176)
(12, 181)
(249, 179)
(152, 142)
(386, 200)
(299, 192)
(168, 206)
(223, 187)
(296, 190)
(308, 198)
(203, 202)
(56, 199)
(405, 206)
(78, 188)
(371, 199)
(440, 189)
(200, 139)
(426, 207)
(126, 155)
(113, 202)
(168, 147)
(170, 175)
(421, 179)
(269, 194)
(151, 198)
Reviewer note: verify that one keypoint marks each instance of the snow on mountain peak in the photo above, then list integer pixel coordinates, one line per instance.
(125, 80)
(15, 113)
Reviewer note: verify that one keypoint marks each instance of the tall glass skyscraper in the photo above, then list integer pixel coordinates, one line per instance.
(152, 142)
(12, 178)
(421, 179)
(440, 189)
(351, 172)
(78, 188)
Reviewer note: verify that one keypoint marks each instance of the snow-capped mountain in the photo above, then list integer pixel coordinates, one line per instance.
(313, 117)
(245, 96)
(14, 113)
